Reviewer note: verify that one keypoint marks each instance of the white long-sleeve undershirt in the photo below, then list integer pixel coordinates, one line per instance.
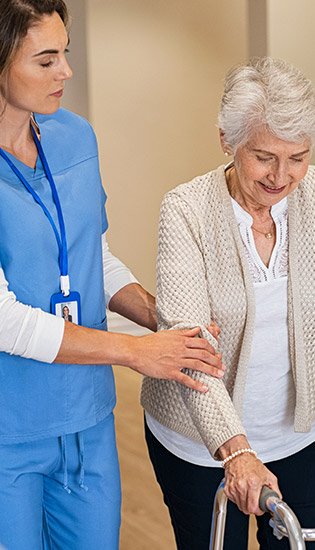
(36, 334)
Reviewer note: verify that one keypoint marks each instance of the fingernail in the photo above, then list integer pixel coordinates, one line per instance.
(204, 389)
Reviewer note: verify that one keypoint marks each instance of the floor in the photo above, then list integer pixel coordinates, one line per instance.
(145, 521)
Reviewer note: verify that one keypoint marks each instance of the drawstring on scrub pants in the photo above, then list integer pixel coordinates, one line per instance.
(65, 462)
(81, 455)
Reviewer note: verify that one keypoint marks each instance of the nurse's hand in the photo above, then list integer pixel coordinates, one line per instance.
(160, 355)
(166, 353)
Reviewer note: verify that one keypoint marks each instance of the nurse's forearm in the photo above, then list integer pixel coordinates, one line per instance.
(160, 355)
(135, 303)
(82, 345)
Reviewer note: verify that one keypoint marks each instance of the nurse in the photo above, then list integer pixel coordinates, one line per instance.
(59, 476)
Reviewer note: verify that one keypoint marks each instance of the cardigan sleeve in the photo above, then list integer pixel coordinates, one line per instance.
(182, 302)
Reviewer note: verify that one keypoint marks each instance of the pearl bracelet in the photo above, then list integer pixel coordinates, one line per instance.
(237, 453)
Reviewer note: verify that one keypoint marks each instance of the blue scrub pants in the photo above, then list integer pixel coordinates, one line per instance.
(62, 492)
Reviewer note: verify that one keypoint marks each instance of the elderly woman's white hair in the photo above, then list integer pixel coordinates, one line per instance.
(268, 93)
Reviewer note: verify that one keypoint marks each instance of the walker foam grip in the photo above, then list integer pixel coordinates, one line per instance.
(266, 493)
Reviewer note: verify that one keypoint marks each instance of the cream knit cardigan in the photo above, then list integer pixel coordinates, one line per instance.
(203, 275)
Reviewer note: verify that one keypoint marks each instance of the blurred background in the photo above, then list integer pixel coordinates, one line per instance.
(148, 74)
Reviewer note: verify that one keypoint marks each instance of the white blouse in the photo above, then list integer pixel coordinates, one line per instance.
(267, 414)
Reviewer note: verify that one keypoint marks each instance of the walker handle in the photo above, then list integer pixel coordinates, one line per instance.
(266, 493)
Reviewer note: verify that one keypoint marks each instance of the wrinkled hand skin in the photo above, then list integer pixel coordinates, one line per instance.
(245, 476)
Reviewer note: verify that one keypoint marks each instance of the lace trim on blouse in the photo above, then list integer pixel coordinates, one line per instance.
(278, 265)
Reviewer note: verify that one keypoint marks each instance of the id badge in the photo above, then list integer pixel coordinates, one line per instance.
(67, 307)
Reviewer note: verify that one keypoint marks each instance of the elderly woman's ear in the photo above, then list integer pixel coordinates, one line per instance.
(225, 146)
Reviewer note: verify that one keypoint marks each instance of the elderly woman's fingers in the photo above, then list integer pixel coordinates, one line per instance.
(245, 476)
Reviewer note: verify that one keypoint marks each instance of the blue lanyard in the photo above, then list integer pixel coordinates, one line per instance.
(61, 239)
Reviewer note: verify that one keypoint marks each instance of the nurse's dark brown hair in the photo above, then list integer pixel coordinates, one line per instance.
(17, 16)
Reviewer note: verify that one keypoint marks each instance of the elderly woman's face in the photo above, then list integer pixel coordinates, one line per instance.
(269, 168)
(37, 74)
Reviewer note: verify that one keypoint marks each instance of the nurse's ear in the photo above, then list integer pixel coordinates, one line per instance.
(224, 145)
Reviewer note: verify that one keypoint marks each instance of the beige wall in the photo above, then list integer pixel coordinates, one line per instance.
(257, 28)
(76, 95)
(290, 32)
(155, 77)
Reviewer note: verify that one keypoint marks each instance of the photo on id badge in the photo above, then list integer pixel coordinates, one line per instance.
(67, 307)
(69, 311)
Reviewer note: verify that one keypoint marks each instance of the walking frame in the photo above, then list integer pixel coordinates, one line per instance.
(283, 520)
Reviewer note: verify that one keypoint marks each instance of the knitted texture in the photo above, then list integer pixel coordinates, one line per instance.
(202, 276)
(302, 299)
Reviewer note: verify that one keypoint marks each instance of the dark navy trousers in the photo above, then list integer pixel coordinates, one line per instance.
(189, 492)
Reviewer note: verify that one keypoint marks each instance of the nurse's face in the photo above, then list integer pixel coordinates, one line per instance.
(36, 77)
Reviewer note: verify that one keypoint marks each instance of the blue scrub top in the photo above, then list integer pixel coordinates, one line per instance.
(39, 400)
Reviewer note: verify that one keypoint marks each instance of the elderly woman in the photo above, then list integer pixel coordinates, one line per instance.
(237, 246)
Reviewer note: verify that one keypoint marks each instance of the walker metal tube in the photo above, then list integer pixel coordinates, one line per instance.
(284, 521)
(284, 517)
(308, 534)
(218, 519)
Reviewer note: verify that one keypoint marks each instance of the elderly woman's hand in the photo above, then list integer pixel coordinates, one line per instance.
(245, 475)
